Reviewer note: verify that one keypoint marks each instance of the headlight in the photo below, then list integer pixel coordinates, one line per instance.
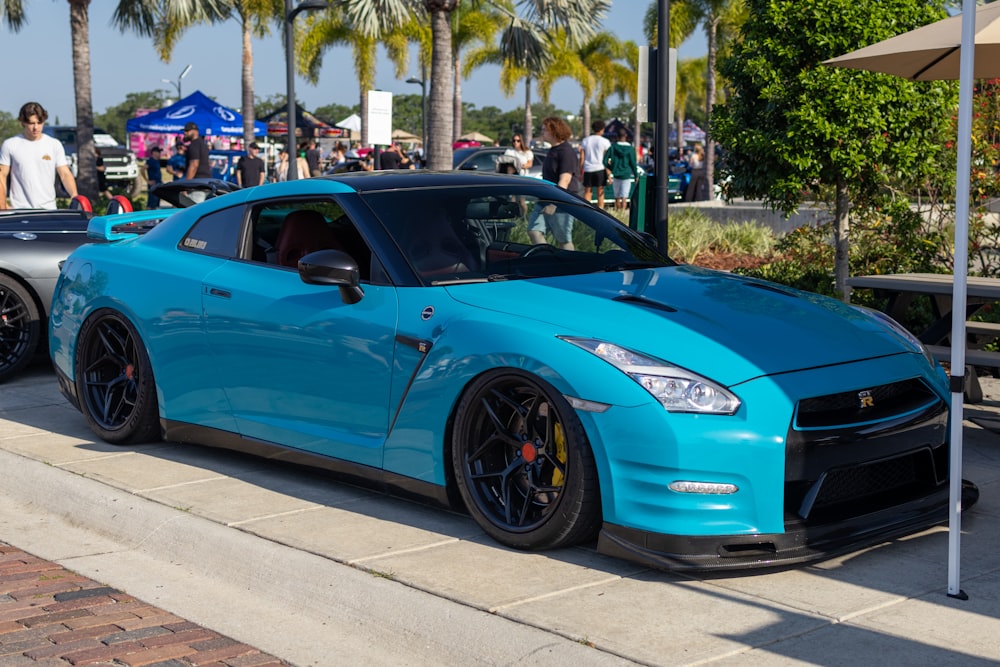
(677, 389)
(898, 329)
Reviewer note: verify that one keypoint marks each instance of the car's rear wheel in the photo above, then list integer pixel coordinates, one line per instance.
(20, 327)
(115, 381)
(523, 464)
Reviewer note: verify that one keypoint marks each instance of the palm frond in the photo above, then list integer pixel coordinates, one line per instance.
(377, 17)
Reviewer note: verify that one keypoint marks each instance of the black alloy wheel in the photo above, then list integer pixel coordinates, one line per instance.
(20, 327)
(115, 381)
(523, 464)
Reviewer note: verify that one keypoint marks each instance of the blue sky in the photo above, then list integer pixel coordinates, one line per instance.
(38, 64)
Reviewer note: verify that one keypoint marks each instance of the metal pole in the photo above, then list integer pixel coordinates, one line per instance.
(959, 296)
(661, 148)
(423, 109)
(293, 169)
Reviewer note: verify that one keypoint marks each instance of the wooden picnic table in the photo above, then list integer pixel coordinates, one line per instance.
(901, 288)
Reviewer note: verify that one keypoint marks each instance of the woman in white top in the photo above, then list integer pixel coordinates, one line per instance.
(522, 153)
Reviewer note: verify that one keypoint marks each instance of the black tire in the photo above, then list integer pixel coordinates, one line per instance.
(114, 380)
(20, 327)
(522, 463)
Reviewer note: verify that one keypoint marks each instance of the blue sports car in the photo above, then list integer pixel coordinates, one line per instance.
(494, 343)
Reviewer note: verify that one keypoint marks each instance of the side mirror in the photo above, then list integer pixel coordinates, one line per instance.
(333, 267)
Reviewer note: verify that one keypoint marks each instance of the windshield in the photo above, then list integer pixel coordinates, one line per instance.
(524, 230)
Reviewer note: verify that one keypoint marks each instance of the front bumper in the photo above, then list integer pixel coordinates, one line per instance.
(841, 477)
(800, 543)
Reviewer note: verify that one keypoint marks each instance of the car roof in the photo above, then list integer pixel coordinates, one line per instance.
(370, 181)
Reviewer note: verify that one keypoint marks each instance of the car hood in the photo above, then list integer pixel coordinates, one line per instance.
(726, 327)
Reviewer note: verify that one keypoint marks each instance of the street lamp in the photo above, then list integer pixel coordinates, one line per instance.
(290, 14)
(177, 84)
(422, 82)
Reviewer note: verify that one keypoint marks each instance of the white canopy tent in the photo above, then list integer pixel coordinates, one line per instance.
(948, 49)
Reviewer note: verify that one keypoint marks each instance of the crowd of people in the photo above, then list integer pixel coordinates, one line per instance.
(32, 160)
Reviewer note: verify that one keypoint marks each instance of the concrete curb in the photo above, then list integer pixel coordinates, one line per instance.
(203, 571)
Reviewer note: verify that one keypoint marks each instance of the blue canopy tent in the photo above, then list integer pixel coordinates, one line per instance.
(212, 118)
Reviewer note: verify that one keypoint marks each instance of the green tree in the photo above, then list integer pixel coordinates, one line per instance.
(9, 125)
(114, 118)
(167, 20)
(794, 128)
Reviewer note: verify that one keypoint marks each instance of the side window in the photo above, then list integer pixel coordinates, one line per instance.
(285, 231)
(485, 161)
(216, 233)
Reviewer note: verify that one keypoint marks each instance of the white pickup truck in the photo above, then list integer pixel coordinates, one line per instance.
(120, 164)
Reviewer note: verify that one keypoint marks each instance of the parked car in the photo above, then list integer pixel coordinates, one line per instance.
(34, 242)
(484, 158)
(120, 164)
(494, 343)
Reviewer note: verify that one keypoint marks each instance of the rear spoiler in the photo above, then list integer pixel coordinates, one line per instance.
(120, 226)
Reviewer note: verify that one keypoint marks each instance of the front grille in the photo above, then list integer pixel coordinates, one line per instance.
(864, 405)
(843, 460)
(862, 489)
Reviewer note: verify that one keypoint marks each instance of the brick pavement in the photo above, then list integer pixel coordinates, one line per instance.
(51, 617)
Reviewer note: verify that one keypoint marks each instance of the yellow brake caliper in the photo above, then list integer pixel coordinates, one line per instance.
(560, 438)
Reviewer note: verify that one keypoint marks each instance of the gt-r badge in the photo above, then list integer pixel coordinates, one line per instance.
(865, 399)
(427, 313)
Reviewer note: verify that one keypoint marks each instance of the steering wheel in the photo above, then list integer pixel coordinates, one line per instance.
(541, 247)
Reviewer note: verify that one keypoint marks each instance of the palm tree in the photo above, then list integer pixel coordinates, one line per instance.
(690, 86)
(721, 20)
(12, 13)
(683, 22)
(510, 76)
(594, 65)
(333, 28)
(524, 43)
(479, 25)
(167, 20)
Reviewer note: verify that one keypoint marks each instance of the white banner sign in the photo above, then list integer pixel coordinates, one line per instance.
(379, 118)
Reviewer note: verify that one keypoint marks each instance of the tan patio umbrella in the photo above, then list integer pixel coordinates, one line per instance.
(932, 53)
(964, 47)
(404, 136)
(477, 136)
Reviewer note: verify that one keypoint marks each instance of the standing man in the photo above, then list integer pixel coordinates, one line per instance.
(198, 165)
(33, 159)
(250, 170)
(592, 150)
(390, 158)
(154, 176)
(313, 158)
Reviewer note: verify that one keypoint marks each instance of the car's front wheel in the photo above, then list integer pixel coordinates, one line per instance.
(20, 327)
(523, 464)
(115, 381)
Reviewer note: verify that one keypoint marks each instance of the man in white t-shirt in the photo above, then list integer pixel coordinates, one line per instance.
(33, 159)
(592, 150)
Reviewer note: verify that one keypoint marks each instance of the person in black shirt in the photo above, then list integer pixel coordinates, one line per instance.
(154, 176)
(250, 170)
(389, 158)
(198, 165)
(561, 167)
(313, 158)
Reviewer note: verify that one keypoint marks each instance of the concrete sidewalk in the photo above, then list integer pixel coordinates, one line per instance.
(317, 572)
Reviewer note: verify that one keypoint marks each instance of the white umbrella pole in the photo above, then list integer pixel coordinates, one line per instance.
(959, 295)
